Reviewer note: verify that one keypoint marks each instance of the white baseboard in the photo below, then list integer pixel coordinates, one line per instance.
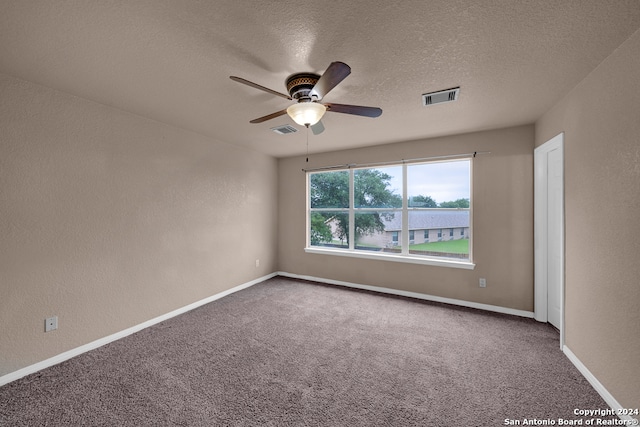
(597, 385)
(487, 307)
(5, 379)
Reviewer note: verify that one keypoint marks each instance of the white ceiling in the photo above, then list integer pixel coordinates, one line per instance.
(170, 60)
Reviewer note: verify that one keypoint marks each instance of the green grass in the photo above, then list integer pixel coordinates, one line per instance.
(460, 246)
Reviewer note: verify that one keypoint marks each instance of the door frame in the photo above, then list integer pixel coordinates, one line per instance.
(540, 232)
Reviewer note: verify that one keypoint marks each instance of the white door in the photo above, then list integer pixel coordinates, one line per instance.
(554, 236)
(549, 233)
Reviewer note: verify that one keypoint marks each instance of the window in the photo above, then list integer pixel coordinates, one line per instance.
(329, 201)
(374, 212)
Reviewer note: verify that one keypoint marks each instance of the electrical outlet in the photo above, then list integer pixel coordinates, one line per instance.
(483, 282)
(257, 263)
(51, 324)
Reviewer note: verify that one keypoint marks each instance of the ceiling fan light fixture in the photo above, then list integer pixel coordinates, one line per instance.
(306, 113)
(307, 89)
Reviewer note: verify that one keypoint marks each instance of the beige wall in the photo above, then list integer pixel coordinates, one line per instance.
(108, 219)
(502, 200)
(601, 121)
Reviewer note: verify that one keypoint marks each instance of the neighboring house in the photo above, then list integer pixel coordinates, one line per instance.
(425, 226)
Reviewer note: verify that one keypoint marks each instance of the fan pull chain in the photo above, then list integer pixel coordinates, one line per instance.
(307, 126)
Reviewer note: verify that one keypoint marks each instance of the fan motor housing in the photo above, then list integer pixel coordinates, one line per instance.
(300, 84)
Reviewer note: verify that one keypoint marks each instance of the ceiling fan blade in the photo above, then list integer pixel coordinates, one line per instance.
(269, 117)
(257, 86)
(318, 128)
(357, 110)
(336, 73)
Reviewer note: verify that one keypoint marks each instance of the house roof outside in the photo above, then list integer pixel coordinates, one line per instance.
(430, 219)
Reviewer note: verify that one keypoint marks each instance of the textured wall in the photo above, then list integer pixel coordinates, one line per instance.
(108, 219)
(502, 218)
(602, 200)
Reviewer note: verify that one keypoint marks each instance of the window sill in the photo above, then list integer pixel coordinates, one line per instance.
(411, 259)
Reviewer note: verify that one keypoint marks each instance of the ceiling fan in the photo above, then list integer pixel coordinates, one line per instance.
(307, 89)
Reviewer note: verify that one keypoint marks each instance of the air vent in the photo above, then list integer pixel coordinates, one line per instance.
(439, 97)
(283, 130)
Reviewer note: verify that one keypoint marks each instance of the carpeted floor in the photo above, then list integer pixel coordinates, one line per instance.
(295, 353)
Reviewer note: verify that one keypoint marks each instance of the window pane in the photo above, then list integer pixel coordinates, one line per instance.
(329, 229)
(378, 231)
(378, 187)
(439, 185)
(439, 200)
(329, 189)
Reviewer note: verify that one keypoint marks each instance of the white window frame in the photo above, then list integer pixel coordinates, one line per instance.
(404, 256)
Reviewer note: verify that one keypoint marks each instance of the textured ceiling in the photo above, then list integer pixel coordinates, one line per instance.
(170, 60)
